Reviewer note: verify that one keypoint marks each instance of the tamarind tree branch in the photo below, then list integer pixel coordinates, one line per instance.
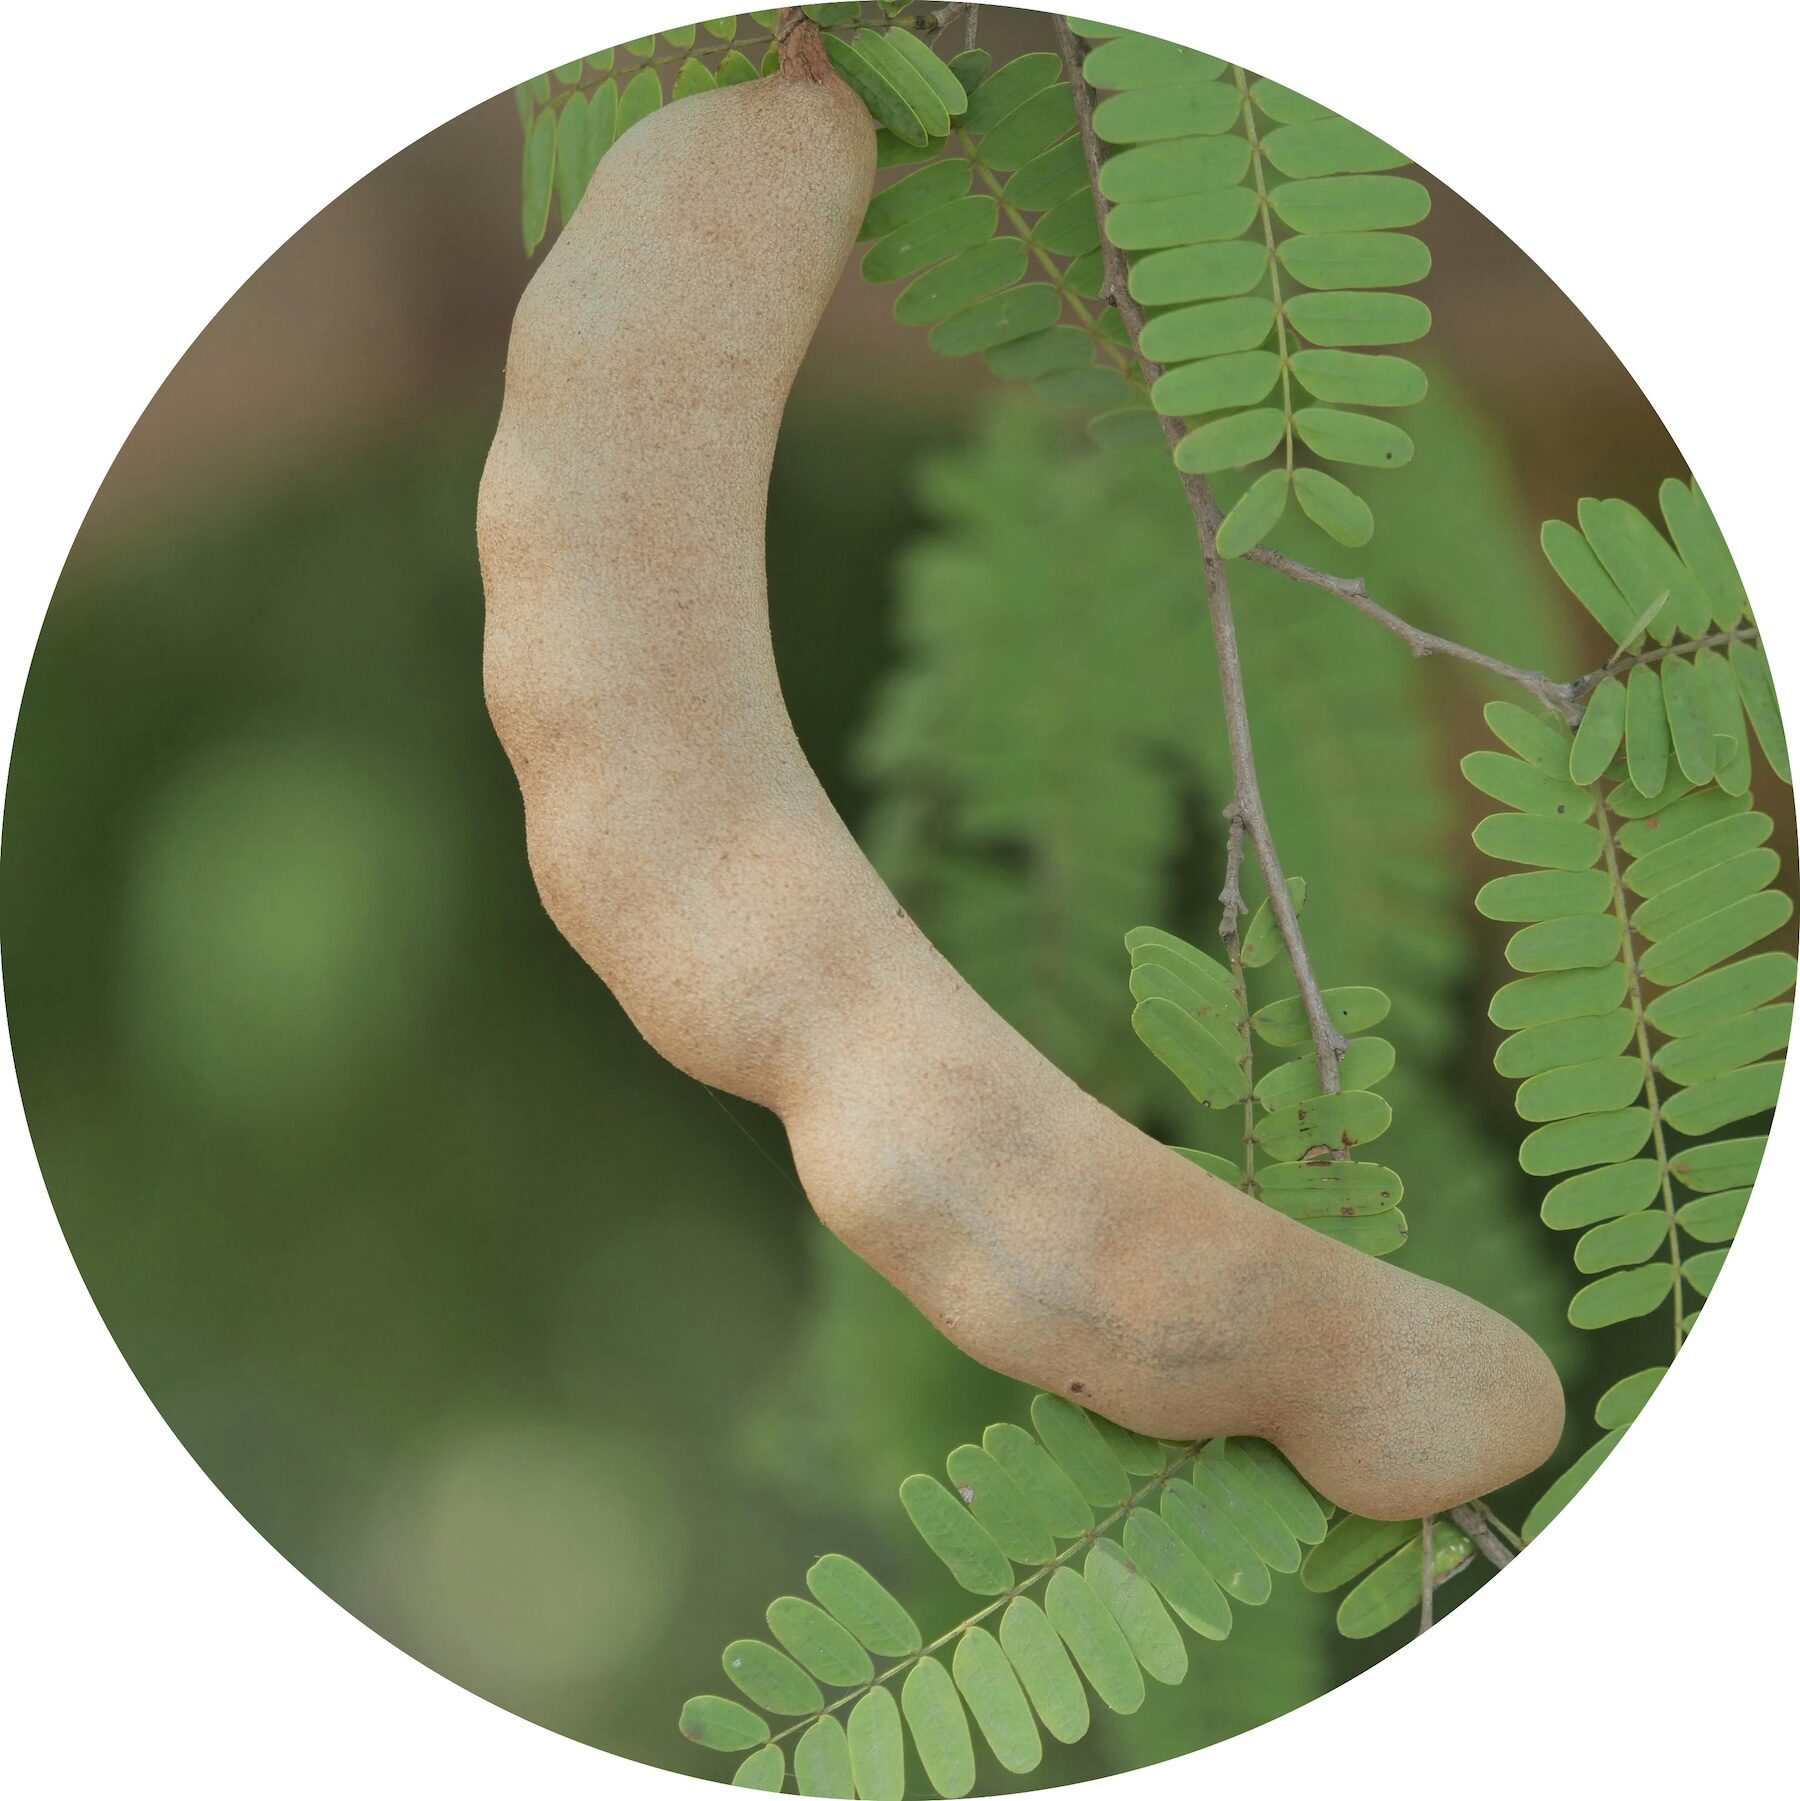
(1246, 809)
(1563, 698)
(1485, 1539)
(1427, 1581)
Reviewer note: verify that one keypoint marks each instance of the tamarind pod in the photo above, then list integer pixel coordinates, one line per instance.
(681, 843)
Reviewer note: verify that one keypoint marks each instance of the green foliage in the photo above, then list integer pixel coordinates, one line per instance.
(1093, 1543)
(1257, 225)
(1638, 1020)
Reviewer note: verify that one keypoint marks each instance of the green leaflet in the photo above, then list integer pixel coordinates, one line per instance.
(940, 1728)
(1049, 177)
(916, 195)
(1725, 1099)
(1256, 513)
(1395, 1587)
(1334, 508)
(1029, 129)
(1568, 1144)
(1198, 1520)
(819, 1643)
(1555, 1046)
(822, 1760)
(1144, 115)
(990, 1687)
(1676, 817)
(970, 276)
(1198, 218)
(1624, 1401)
(1184, 1046)
(1350, 318)
(1070, 228)
(1172, 168)
(1621, 1241)
(1356, 259)
(1219, 1018)
(1354, 378)
(1579, 943)
(1364, 1064)
(1625, 1294)
(1563, 994)
(856, 1600)
(876, 79)
(999, 1506)
(1534, 736)
(1690, 719)
(1646, 730)
(929, 237)
(764, 1769)
(1292, 1499)
(1702, 546)
(1701, 1269)
(771, 1678)
(1069, 1435)
(1220, 381)
(1728, 1163)
(721, 1725)
(1564, 1489)
(538, 179)
(1324, 1123)
(877, 1747)
(1695, 948)
(1544, 843)
(1261, 941)
(1601, 1194)
(1013, 313)
(1713, 1218)
(961, 1543)
(1137, 1455)
(1727, 1046)
(1178, 1574)
(1037, 1654)
(1705, 893)
(1600, 734)
(1094, 1640)
(1352, 1011)
(1725, 711)
(1009, 87)
(1597, 1087)
(1039, 1478)
(1197, 272)
(1134, 61)
(1224, 1483)
(1231, 442)
(1349, 203)
(1352, 1546)
(1342, 437)
(938, 76)
(1154, 1638)
(1320, 1191)
(1525, 787)
(1677, 846)
(1750, 669)
(1711, 999)
(1328, 146)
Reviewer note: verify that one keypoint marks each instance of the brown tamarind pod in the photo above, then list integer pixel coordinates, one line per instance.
(682, 844)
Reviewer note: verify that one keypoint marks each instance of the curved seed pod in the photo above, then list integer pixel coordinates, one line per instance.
(682, 844)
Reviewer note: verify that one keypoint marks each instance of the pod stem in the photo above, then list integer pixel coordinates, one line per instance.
(801, 50)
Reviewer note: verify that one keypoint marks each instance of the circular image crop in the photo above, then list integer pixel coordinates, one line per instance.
(899, 901)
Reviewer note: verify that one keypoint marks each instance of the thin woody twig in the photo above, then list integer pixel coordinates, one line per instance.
(1231, 896)
(1482, 1535)
(1427, 1584)
(1328, 1041)
(1563, 698)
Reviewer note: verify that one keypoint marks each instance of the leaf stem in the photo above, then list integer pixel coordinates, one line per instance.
(1328, 1042)
(1641, 1026)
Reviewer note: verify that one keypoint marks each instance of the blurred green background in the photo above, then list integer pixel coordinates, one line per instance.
(507, 1335)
